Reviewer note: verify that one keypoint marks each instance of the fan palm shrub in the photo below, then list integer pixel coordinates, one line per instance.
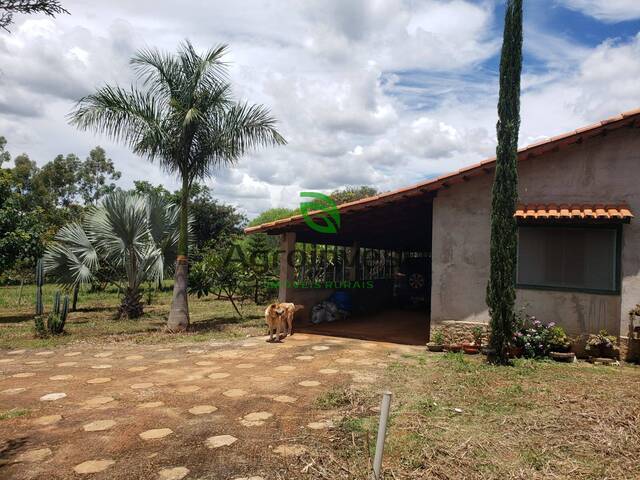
(128, 235)
(182, 115)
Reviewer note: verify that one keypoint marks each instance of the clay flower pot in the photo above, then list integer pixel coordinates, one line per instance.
(516, 352)
(470, 349)
(435, 347)
(567, 357)
(454, 347)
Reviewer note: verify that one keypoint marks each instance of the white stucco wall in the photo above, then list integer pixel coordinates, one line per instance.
(605, 169)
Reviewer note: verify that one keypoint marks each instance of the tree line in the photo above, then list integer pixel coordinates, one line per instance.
(37, 202)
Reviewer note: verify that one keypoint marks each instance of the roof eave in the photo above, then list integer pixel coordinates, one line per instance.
(463, 174)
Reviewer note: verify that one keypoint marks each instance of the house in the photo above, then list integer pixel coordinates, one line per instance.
(578, 253)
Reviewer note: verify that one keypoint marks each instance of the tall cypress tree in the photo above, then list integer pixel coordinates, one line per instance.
(501, 292)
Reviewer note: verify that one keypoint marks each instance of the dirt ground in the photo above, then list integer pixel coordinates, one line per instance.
(234, 410)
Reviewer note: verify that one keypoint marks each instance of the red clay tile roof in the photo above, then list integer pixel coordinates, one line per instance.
(630, 118)
(573, 212)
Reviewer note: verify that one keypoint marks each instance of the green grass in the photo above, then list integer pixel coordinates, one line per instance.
(95, 321)
(454, 416)
(335, 398)
(354, 424)
(13, 413)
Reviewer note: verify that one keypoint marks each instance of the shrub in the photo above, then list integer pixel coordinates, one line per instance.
(602, 344)
(438, 338)
(223, 269)
(478, 335)
(39, 326)
(557, 339)
(537, 339)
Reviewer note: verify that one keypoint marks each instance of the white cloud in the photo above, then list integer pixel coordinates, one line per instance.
(379, 92)
(399, 35)
(606, 10)
(601, 85)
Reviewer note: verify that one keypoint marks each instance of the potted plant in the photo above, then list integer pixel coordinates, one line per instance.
(602, 345)
(470, 349)
(558, 344)
(478, 335)
(474, 348)
(437, 342)
(557, 339)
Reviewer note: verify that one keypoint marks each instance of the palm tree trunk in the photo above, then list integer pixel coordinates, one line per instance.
(76, 290)
(179, 314)
(131, 306)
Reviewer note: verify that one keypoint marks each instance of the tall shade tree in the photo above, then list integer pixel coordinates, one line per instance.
(183, 116)
(351, 194)
(94, 175)
(21, 227)
(501, 292)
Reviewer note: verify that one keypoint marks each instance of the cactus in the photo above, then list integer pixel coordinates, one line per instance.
(40, 327)
(39, 284)
(65, 309)
(56, 303)
(58, 317)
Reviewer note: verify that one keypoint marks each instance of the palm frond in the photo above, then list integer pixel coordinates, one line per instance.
(150, 266)
(159, 71)
(128, 234)
(249, 126)
(164, 218)
(132, 117)
(228, 135)
(71, 259)
(120, 223)
(202, 72)
(182, 116)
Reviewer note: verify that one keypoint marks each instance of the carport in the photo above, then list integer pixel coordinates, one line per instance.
(376, 236)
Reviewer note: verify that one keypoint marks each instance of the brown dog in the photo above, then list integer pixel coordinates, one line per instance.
(279, 318)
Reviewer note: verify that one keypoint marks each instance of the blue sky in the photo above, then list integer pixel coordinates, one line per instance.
(574, 27)
(377, 92)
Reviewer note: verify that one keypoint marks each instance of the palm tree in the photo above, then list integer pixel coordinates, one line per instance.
(116, 235)
(184, 117)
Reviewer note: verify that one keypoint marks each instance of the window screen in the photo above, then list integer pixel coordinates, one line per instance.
(571, 258)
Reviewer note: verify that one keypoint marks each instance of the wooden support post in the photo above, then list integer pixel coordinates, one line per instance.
(287, 272)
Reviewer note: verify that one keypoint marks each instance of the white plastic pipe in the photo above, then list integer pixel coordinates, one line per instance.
(382, 431)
